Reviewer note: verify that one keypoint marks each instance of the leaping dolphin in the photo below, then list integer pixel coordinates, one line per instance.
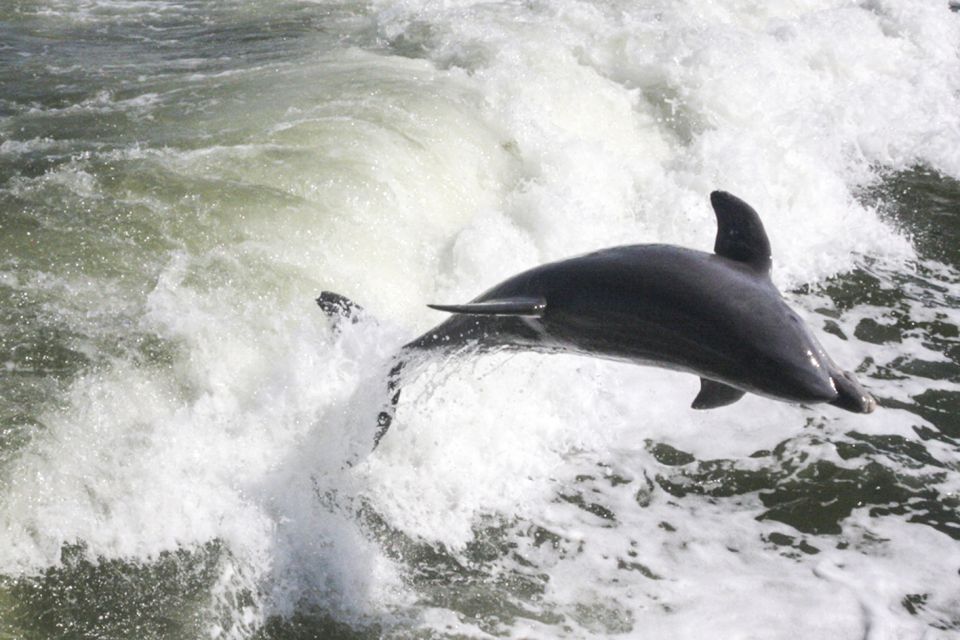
(716, 315)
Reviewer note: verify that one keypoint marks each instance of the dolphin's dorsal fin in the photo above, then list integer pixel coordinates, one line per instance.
(517, 306)
(740, 234)
(715, 394)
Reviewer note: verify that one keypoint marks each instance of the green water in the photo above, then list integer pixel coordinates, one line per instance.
(177, 181)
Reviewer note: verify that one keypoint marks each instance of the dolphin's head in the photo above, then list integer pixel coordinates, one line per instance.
(850, 395)
(800, 369)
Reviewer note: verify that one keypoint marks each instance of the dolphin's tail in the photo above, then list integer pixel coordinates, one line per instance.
(341, 309)
(450, 337)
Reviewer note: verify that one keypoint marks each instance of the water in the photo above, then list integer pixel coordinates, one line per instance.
(179, 180)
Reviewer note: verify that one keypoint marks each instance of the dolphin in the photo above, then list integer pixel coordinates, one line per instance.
(716, 315)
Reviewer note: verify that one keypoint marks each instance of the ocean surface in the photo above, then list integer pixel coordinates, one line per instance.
(179, 179)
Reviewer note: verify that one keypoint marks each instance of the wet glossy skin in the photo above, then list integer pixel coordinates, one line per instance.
(669, 307)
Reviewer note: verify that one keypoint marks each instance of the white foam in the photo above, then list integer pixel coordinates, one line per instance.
(529, 132)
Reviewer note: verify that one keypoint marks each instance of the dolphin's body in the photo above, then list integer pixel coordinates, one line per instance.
(716, 315)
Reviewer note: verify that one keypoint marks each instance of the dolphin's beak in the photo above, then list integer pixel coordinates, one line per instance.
(851, 396)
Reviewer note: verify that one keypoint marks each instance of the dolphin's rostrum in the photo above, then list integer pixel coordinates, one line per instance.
(716, 315)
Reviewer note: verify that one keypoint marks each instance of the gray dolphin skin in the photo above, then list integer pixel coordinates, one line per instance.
(716, 315)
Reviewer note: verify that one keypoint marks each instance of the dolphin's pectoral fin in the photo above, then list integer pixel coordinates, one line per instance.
(715, 394)
(518, 306)
(740, 233)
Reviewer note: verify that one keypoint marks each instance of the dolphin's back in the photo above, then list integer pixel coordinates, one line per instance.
(656, 304)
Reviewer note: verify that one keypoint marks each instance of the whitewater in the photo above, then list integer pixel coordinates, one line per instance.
(179, 180)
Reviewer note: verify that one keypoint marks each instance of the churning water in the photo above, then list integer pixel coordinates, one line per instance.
(179, 180)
